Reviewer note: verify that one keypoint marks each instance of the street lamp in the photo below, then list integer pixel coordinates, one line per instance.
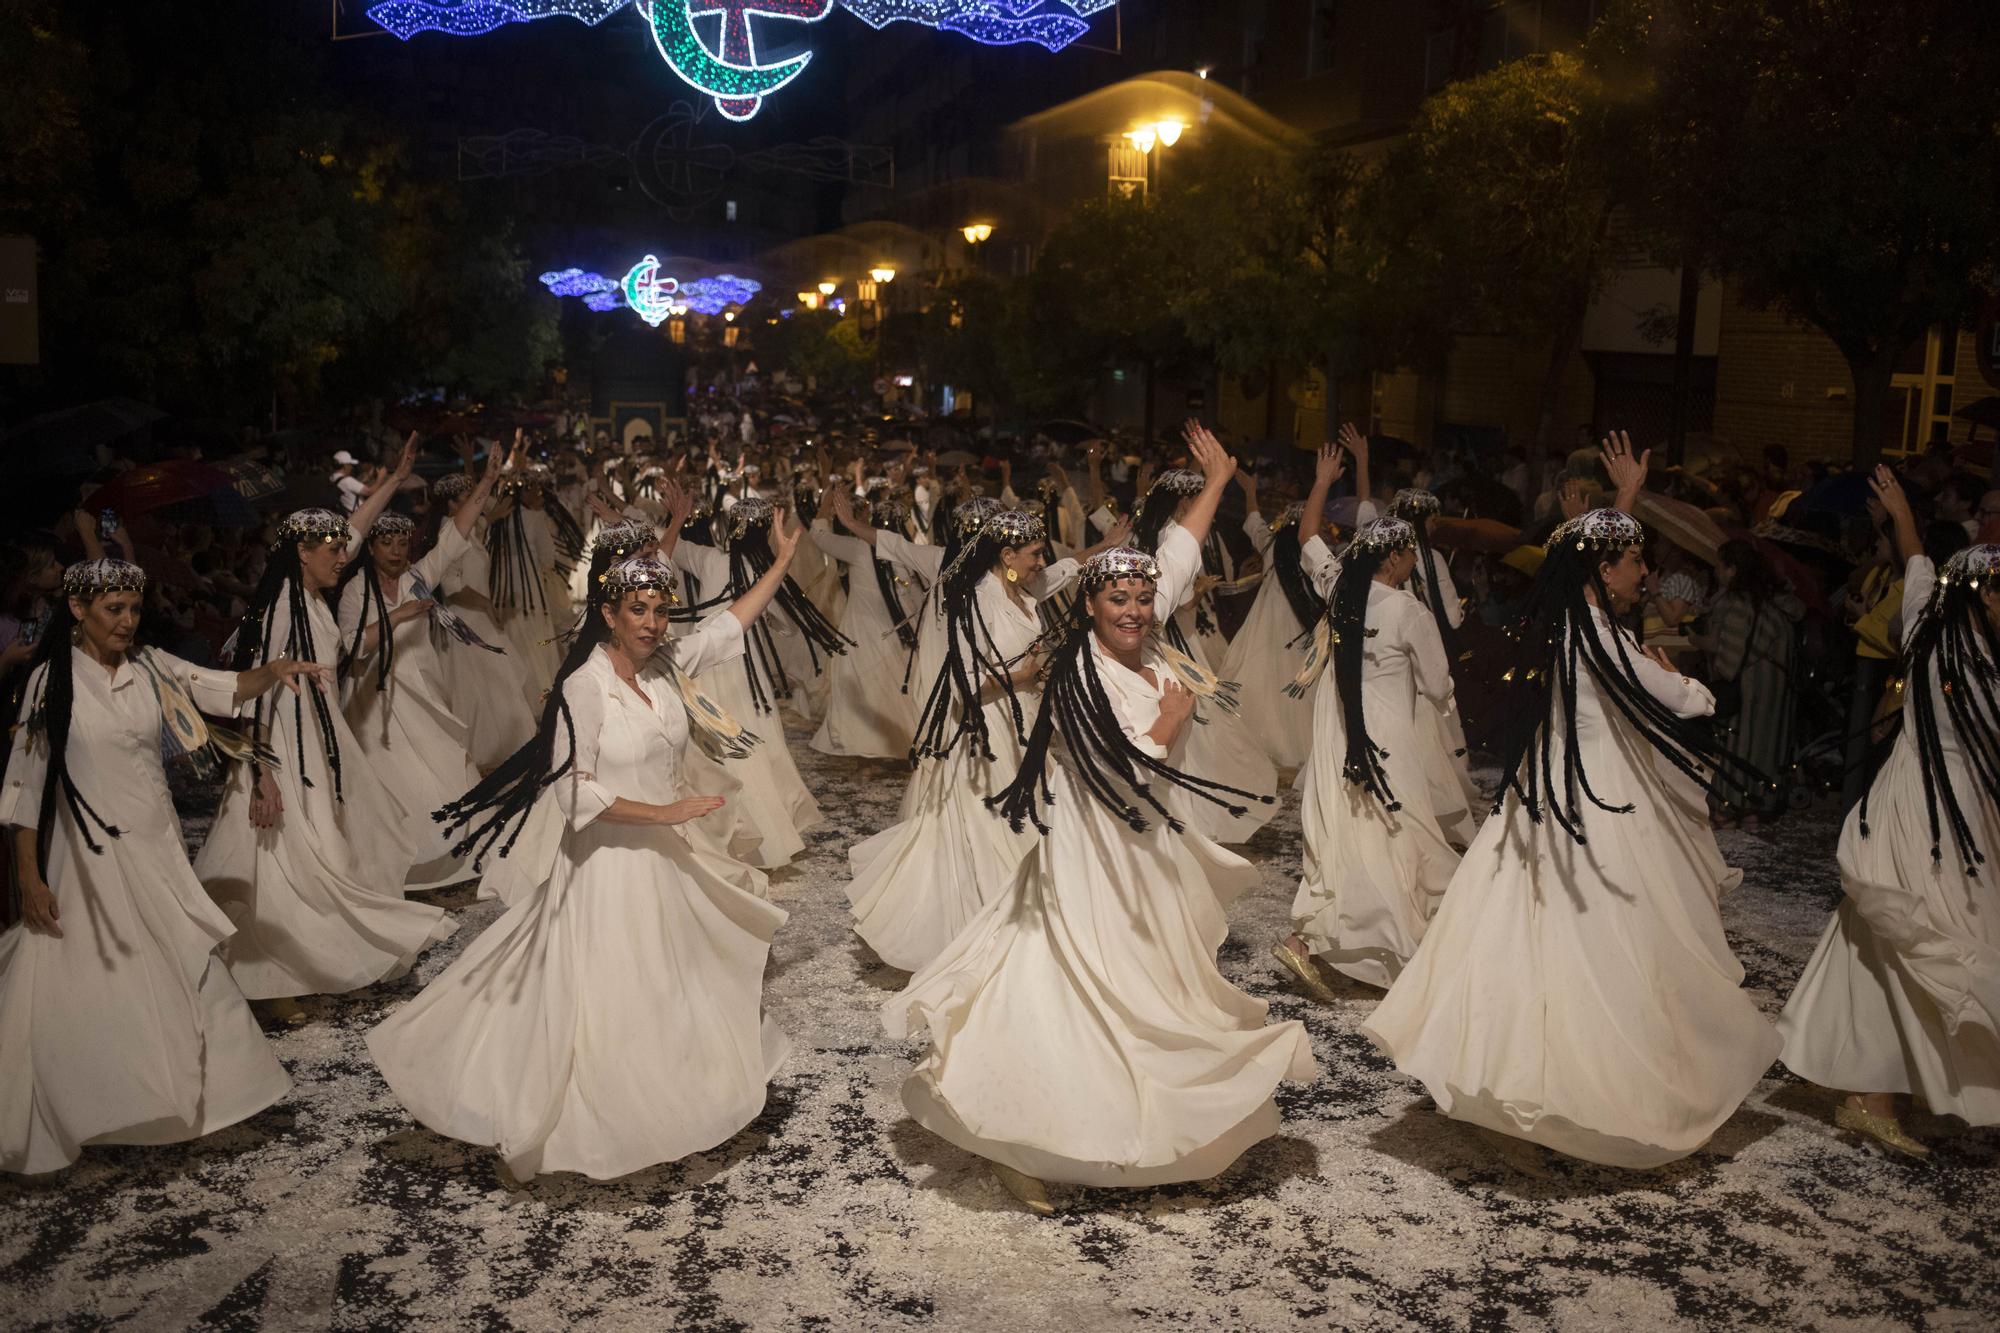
(978, 233)
(828, 287)
(883, 274)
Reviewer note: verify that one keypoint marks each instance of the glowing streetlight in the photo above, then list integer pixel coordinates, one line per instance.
(883, 274)
(1169, 132)
(828, 288)
(978, 233)
(1142, 138)
(1165, 133)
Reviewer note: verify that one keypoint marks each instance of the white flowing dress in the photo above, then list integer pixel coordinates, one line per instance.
(531, 627)
(1220, 746)
(916, 884)
(318, 900)
(416, 743)
(869, 713)
(809, 667)
(1373, 877)
(769, 823)
(612, 1018)
(1264, 658)
(128, 1028)
(491, 691)
(1079, 1028)
(1585, 997)
(1455, 798)
(1903, 992)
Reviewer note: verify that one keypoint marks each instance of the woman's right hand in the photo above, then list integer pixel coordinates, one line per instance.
(38, 903)
(688, 810)
(266, 804)
(412, 610)
(1176, 703)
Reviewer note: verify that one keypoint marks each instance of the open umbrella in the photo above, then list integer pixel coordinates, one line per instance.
(1070, 431)
(253, 480)
(163, 486)
(1474, 534)
(1681, 523)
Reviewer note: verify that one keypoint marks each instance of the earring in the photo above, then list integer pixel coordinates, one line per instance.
(1013, 576)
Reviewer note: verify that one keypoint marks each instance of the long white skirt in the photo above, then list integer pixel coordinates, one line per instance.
(1903, 992)
(1585, 998)
(766, 824)
(609, 1021)
(1456, 801)
(1373, 878)
(870, 713)
(919, 882)
(1079, 1028)
(490, 691)
(529, 637)
(422, 752)
(1261, 660)
(128, 1028)
(1221, 749)
(317, 902)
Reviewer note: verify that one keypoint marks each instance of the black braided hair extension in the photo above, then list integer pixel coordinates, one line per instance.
(1430, 594)
(1155, 511)
(953, 708)
(749, 557)
(51, 713)
(1554, 641)
(513, 583)
(1954, 643)
(1362, 764)
(284, 577)
(507, 794)
(1288, 567)
(568, 534)
(1101, 756)
(374, 606)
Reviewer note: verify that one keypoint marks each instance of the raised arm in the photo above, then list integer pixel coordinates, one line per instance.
(475, 503)
(1356, 444)
(785, 537)
(1626, 469)
(1326, 471)
(1217, 469)
(363, 519)
(1889, 492)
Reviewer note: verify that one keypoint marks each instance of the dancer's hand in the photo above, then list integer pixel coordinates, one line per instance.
(412, 610)
(688, 810)
(1330, 466)
(785, 536)
(1889, 492)
(267, 805)
(407, 462)
(1626, 468)
(1354, 442)
(1570, 497)
(38, 902)
(289, 673)
(1176, 707)
(1209, 455)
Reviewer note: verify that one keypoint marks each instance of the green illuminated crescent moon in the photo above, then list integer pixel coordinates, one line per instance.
(673, 33)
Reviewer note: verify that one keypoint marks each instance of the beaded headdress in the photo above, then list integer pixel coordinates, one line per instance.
(640, 575)
(1120, 562)
(1014, 527)
(393, 525)
(1287, 516)
(749, 512)
(1180, 481)
(1412, 503)
(89, 578)
(1382, 535)
(313, 525)
(971, 516)
(622, 538)
(890, 511)
(1973, 566)
(452, 487)
(1600, 530)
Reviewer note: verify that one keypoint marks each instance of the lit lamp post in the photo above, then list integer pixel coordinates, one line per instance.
(1163, 133)
(976, 234)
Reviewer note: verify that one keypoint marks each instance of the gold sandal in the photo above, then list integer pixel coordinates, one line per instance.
(1032, 1193)
(1305, 972)
(1884, 1129)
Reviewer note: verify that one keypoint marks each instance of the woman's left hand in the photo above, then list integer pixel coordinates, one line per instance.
(289, 673)
(1176, 703)
(785, 536)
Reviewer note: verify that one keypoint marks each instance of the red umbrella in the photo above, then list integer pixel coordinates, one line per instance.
(141, 490)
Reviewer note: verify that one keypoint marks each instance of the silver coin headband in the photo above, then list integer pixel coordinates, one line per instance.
(392, 525)
(890, 512)
(1974, 565)
(313, 525)
(452, 487)
(640, 575)
(624, 538)
(1380, 536)
(1413, 503)
(971, 516)
(1600, 530)
(91, 578)
(1120, 562)
(1014, 527)
(1180, 481)
(1287, 516)
(750, 512)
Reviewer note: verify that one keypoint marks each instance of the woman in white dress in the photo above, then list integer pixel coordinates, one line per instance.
(1221, 747)
(776, 807)
(529, 589)
(1575, 988)
(871, 710)
(397, 703)
(1079, 1028)
(489, 690)
(118, 1023)
(1269, 648)
(612, 1019)
(309, 856)
(1376, 862)
(1902, 996)
(918, 882)
(1454, 795)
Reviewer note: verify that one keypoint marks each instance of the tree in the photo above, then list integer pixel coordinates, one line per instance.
(1839, 159)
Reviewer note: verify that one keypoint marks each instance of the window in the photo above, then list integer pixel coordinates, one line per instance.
(729, 211)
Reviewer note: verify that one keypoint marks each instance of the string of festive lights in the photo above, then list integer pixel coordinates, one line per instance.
(711, 296)
(470, 18)
(1053, 24)
(651, 295)
(575, 282)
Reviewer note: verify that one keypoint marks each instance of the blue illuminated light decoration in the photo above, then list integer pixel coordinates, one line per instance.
(650, 293)
(575, 282)
(731, 71)
(470, 18)
(1050, 23)
(603, 302)
(710, 296)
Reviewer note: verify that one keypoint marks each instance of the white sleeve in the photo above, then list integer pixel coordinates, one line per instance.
(1070, 518)
(1100, 519)
(578, 793)
(352, 604)
(1454, 608)
(1180, 565)
(1258, 530)
(1429, 663)
(926, 562)
(1365, 512)
(1054, 578)
(706, 563)
(27, 765)
(1919, 578)
(1684, 695)
(716, 640)
(847, 550)
(212, 692)
(1316, 558)
(442, 558)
